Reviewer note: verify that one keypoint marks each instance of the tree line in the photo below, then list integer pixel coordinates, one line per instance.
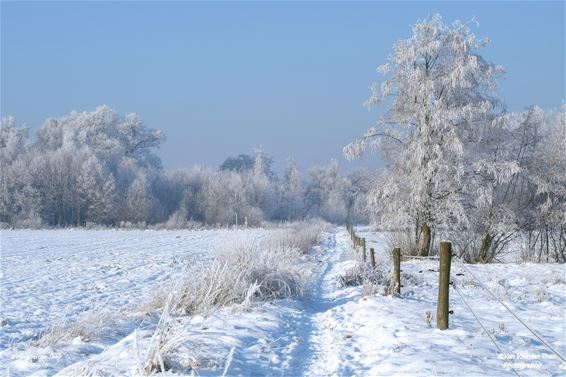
(100, 167)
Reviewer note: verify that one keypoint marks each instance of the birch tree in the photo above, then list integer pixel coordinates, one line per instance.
(437, 90)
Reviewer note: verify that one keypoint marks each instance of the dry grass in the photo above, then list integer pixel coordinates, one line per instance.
(373, 280)
(252, 270)
(302, 235)
(89, 326)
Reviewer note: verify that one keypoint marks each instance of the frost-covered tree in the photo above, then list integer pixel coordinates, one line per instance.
(14, 140)
(327, 192)
(438, 90)
(76, 167)
(19, 199)
(138, 200)
(100, 167)
(292, 192)
(488, 191)
(227, 201)
(540, 189)
(260, 184)
(98, 189)
(516, 187)
(358, 184)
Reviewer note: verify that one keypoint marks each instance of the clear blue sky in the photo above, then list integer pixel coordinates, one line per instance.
(222, 78)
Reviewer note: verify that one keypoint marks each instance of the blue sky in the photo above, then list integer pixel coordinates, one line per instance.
(222, 78)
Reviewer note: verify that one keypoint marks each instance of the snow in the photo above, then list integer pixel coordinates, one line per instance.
(54, 277)
(333, 331)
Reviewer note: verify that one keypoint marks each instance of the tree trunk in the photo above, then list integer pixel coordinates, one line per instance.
(417, 234)
(484, 252)
(78, 213)
(425, 250)
(547, 245)
(60, 214)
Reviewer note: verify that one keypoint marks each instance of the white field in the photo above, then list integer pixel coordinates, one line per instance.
(53, 277)
(334, 331)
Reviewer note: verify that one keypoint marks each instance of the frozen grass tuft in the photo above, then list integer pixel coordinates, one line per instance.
(252, 270)
(162, 343)
(373, 280)
(90, 325)
(302, 235)
(352, 277)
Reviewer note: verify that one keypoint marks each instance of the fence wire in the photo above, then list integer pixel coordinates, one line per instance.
(514, 315)
(480, 323)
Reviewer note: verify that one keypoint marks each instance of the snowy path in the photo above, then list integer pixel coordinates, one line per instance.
(294, 337)
(316, 356)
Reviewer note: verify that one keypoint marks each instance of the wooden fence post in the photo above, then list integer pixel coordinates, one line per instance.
(364, 248)
(397, 270)
(443, 285)
(372, 257)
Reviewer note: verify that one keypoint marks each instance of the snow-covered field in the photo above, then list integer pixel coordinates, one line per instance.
(333, 331)
(53, 277)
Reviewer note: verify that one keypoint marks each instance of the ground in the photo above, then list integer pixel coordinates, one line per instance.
(332, 331)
